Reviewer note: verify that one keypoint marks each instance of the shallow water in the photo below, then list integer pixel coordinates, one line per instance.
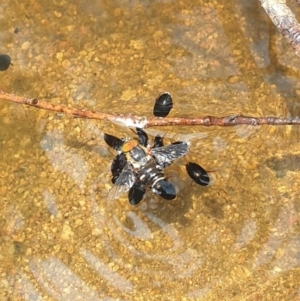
(237, 239)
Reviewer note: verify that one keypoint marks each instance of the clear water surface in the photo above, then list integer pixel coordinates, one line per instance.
(60, 239)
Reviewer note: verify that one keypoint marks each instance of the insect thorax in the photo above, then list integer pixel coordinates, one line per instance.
(135, 153)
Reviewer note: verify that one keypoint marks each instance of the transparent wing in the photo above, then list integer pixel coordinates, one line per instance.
(166, 155)
(123, 183)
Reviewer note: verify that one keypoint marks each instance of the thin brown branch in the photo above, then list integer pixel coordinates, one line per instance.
(284, 20)
(128, 119)
(222, 121)
(34, 102)
(143, 122)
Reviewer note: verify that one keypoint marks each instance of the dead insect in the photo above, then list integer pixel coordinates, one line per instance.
(138, 167)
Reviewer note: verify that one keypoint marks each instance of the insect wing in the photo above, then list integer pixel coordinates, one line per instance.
(113, 141)
(117, 166)
(123, 183)
(165, 156)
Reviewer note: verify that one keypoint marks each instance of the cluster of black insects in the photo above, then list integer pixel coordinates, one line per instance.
(139, 166)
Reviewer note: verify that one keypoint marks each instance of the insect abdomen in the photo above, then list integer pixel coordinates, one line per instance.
(150, 174)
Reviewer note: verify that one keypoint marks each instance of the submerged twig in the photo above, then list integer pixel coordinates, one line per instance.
(130, 120)
(284, 20)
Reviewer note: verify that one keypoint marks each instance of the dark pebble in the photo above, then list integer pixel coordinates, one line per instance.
(5, 62)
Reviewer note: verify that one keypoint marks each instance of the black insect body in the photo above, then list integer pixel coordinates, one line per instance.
(114, 142)
(136, 192)
(158, 141)
(197, 173)
(163, 105)
(138, 167)
(143, 137)
(153, 177)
